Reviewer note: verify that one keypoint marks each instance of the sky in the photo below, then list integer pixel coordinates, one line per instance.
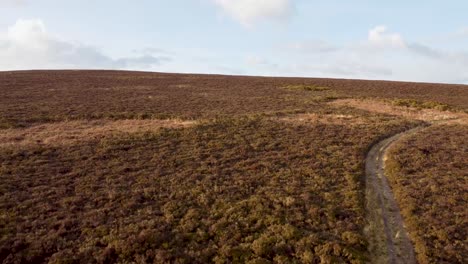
(419, 40)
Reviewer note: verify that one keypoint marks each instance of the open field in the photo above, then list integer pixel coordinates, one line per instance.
(107, 166)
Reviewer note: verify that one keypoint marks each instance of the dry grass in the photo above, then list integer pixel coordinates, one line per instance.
(383, 107)
(272, 175)
(30, 97)
(232, 190)
(420, 104)
(72, 132)
(38, 97)
(331, 119)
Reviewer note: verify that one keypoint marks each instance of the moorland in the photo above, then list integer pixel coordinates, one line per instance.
(118, 167)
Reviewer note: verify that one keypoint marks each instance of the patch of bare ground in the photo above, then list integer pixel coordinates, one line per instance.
(382, 107)
(70, 132)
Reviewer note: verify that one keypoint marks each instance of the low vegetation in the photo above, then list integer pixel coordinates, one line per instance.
(385, 107)
(123, 167)
(420, 104)
(309, 87)
(428, 173)
(33, 97)
(72, 132)
(232, 190)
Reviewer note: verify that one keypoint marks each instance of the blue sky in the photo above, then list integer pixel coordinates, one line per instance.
(392, 40)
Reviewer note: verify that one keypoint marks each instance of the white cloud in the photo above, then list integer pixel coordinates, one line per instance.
(380, 37)
(248, 12)
(28, 45)
(28, 33)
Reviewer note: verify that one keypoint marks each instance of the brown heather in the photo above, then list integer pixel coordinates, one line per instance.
(232, 190)
(108, 166)
(429, 176)
(49, 96)
(384, 107)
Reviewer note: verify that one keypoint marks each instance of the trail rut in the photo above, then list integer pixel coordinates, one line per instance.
(388, 239)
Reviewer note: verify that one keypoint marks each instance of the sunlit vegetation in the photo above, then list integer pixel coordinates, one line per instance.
(51, 96)
(106, 167)
(428, 172)
(309, 87)
(232, 190)
(420, 104)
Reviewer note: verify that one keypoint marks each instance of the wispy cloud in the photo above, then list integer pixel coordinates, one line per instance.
(249, 12)
(28, 45)
(382, 55)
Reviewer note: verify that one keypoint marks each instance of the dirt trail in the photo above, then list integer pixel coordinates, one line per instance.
(388, 238)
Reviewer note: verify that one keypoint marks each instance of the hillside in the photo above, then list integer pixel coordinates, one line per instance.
(111, 166)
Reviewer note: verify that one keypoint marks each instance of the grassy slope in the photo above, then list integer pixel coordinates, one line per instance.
(242, 187)
(233, 190)
(428, 172)
(43, 96)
